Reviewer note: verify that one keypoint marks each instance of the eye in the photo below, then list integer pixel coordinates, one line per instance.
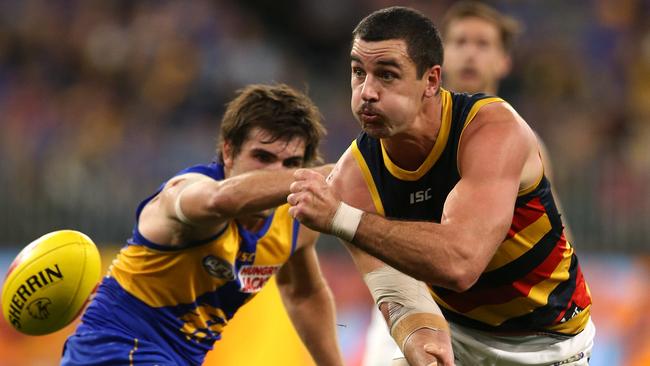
(263, 157)
(358, 73)
(292, 163)
(483, 44)
(387, 76)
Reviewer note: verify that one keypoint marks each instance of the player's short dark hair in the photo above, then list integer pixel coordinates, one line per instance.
(280, 110)
(509, 28)
(419, 33)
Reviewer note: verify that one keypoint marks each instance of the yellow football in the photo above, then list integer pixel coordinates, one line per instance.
(50, 281)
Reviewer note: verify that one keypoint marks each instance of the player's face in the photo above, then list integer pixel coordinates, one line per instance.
(257, 152)
(475, 60)
(387, 95)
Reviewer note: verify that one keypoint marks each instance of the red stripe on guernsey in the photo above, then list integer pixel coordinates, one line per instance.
(580, 296)
(471, 299)
(526, 215)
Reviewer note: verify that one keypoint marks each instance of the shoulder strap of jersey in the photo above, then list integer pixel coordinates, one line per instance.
(365, 171)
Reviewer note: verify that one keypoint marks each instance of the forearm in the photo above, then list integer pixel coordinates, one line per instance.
(313, 317)
(253, 192)
(259, 190)
(426, 251)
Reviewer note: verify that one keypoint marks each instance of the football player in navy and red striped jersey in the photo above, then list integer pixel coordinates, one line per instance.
(449, 189)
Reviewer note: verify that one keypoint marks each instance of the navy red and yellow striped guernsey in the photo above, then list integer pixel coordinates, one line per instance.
(533, 283)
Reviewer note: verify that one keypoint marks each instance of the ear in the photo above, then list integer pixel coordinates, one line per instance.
(433, 81)
(227, 154)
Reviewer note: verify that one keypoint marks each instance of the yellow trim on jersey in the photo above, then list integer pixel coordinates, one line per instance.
(367, 176)
(436, 151)
(496, 314)
(520, 243)
(475, 108)
(470, 117)
(525, 191)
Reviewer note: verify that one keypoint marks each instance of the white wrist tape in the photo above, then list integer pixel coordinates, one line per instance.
(346, 221)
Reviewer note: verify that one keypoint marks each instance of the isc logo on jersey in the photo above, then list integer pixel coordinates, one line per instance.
(420, 196)
(253, 278)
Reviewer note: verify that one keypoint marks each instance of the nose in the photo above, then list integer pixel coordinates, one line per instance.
(369, 92)
(471, 49)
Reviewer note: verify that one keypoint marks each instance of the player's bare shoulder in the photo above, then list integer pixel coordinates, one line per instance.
(498, 137)
(500, 119)
(347, 180)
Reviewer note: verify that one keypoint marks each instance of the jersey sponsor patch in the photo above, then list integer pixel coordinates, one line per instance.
(253, 278)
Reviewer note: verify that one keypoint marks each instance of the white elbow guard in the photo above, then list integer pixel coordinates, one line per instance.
(411, 306)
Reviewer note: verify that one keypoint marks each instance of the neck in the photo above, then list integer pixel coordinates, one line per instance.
(491, 89)
(251, 223)
(410, 148)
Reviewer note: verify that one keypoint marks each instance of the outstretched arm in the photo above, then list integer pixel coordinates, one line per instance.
(202, 200)
(308, 301)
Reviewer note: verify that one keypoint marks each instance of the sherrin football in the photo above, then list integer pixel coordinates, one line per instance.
(50, 281)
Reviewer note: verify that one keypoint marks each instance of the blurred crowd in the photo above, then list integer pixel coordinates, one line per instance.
(102, 100)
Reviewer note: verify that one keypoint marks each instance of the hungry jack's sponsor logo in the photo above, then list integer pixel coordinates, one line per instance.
(253, 278)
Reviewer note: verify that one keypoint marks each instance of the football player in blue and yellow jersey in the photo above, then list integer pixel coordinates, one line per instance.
(209, 239)
(448, 189)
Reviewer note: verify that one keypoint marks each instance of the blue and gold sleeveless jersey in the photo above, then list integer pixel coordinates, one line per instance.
(181, 298)
(533, 283)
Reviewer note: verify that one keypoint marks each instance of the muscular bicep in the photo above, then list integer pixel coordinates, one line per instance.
(492, 159)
